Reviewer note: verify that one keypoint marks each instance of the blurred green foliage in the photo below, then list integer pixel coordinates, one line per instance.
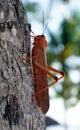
(65, 0)
(60, 48)
(32, 7)
(71, 41)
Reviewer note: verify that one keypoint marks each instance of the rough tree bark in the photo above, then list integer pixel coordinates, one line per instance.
(16, 78)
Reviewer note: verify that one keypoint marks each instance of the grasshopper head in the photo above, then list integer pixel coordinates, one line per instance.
(40, 41)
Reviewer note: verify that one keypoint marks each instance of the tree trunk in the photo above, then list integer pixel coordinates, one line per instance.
(16, 78)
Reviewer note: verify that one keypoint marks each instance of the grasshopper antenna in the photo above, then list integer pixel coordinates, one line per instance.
(43, 22)
(44, 28)
(32, 32)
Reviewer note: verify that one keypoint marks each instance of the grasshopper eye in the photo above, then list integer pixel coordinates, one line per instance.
(42, 35)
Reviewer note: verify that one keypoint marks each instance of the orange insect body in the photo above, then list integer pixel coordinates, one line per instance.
(41, 69)
(41, 80)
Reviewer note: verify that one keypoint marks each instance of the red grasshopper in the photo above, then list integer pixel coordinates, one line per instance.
(40, 70)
